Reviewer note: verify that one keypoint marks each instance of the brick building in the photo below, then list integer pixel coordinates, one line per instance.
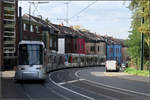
(38, 29)
(8, 33)
(31, 30)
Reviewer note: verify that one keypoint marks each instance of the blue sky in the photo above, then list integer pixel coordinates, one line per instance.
(110, 18)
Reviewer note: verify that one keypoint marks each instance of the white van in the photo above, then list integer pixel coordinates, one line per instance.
(111, 65)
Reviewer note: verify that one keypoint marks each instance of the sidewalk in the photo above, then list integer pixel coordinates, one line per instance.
(8, 74)
(122, 75)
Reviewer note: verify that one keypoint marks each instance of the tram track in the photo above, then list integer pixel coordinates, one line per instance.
(87, 93)
(49, 89)
(25, 92)
(69, 79)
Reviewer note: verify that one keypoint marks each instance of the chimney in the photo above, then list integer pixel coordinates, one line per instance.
(62, 24)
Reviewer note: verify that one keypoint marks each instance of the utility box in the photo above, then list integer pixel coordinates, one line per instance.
(61, 45)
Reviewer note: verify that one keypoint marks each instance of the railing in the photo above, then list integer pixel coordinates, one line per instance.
(9, 32)
(9, 8)
(9, 15)
(9, 20)
(9, 26)
(9, 1)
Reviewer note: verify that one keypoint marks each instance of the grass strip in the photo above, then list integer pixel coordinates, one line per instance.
(133, 71)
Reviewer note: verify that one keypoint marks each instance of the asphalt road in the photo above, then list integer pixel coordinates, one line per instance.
(76, 84)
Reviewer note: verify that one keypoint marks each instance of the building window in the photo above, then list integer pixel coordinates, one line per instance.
(24, 27)
(37, 29)
(82, 46)
(98, 48)
(55, 44)
(92, 48)
(51, 41)
(31, 28)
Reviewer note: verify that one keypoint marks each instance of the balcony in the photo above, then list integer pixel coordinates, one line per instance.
(9, 32)
(9, 15)
(9, 26)
(10, 12)
(9, 50)
(9, 1)
(9, 42)
(12, 20)
(9, 8)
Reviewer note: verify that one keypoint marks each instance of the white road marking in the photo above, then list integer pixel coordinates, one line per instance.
(25, 92)
(109, 86)
(57, 93)
(70, 89)
(73, 81)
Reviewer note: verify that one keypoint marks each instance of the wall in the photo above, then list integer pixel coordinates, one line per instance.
(28, 35)
(80, 46)
(69, 44)
(100, 48)
(88, 49)
(124, 54)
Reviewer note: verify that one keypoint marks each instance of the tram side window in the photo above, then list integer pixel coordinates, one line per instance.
(70, 59)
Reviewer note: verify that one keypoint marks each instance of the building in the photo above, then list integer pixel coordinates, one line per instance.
(31, 29)
(8, 33)
(94, 44)
(36, 28)
(80, 42)
(73, 40)
(114, 50)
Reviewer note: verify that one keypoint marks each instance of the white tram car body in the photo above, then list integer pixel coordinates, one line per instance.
(30, 61)
(34, 61)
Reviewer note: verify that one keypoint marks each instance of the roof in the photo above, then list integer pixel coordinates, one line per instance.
(69, 31)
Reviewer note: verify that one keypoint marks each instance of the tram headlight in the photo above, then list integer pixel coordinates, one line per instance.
(20, 68)
(39, 68)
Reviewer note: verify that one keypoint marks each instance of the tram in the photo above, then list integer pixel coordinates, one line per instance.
(30, 61)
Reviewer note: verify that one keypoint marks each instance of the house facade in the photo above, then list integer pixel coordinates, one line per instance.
(31, 29)
(80, 44)
(39, 30)
(114, 52)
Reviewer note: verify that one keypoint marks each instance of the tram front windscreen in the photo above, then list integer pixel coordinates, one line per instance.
(30, 54)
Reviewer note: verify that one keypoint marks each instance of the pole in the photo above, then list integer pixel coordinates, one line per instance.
(29, 14)
(142, 44)
(67, 8)
(20, 24)
(106, 49)
(142, 51)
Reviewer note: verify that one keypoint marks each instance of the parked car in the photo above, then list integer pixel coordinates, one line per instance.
(112, 65)
(123, 66)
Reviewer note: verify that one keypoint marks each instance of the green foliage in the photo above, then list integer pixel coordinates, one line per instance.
(134, 41)
(136, 72)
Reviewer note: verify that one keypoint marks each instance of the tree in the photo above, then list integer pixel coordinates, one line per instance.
(136, 6)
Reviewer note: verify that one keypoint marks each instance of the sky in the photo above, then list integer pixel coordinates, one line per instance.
(111, 18)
